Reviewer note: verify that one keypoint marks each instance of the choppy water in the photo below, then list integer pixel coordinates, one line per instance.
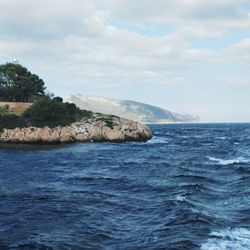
(187, 188)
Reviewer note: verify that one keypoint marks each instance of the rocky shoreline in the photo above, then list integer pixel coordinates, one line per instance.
(98, 128)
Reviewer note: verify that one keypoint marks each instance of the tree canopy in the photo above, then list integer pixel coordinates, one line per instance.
(18, 84)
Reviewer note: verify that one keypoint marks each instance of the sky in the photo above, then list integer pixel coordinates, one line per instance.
(188, 56)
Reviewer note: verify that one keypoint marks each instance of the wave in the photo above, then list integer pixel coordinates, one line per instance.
(157, 140)
(229, 161)
(238, 238)
(180, 198)
(221, 137)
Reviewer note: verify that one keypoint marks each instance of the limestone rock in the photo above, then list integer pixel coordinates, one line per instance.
(98, 128)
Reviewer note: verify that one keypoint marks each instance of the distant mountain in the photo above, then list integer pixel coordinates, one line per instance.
(128, 109)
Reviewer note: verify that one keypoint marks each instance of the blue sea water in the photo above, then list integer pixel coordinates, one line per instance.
(187, 188)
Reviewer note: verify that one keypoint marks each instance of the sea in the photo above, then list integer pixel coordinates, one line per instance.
(186, 188)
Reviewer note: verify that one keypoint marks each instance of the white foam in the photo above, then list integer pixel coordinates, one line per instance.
(221, 137)
(157, 140)
(180, 198)
(228, 239)
(229, 161)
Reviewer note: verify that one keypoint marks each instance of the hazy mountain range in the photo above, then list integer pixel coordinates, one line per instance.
(129, 109)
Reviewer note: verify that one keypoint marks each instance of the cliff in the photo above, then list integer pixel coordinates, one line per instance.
(98, 128)
(132, 110)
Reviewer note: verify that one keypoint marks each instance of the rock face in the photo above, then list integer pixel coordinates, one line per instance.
(97, 128)
(132, 110)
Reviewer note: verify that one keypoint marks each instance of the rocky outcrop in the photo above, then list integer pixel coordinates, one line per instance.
(97, 128)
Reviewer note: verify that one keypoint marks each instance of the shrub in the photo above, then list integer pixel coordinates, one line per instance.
(53, 113)
(58, 98)
(107, 120)
(12, 121)
(86, 113)
(3, 110)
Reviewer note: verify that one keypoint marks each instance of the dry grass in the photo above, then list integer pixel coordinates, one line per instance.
(17, 108)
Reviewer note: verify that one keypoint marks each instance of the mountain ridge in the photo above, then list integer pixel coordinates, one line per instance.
(129, 109)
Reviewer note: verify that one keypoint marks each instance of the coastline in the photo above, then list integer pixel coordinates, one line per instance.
(95, 129)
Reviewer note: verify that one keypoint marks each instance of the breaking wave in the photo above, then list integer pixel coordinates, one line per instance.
(229, 161)
(228, 239)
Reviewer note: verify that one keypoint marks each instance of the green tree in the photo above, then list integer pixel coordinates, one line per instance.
(18, 84)
(52, 113)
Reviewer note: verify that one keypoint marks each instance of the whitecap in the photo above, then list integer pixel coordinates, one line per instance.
(180, 198)
(221, 137)
(157, 140)
(228, 239)
(229, 161)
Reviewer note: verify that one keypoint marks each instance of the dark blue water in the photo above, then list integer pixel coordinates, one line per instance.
(187, 188)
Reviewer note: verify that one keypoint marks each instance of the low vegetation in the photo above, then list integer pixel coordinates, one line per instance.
(3, 111)
(108, 120)
(52, 113)
(44, 112)
(11, 121)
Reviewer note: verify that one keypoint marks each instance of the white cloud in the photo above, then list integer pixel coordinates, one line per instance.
(240, 52)
(190, 18)
(85, 39)
(49, 19)
(176, 9)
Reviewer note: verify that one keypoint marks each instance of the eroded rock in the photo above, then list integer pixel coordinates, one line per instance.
(98, 128)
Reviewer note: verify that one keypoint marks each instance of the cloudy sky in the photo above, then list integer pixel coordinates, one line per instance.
(189, 56)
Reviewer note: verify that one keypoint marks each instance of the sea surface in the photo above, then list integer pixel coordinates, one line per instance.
(187, 188)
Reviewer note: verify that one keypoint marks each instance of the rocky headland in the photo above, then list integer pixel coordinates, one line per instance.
(29, 114)
(97, 128)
